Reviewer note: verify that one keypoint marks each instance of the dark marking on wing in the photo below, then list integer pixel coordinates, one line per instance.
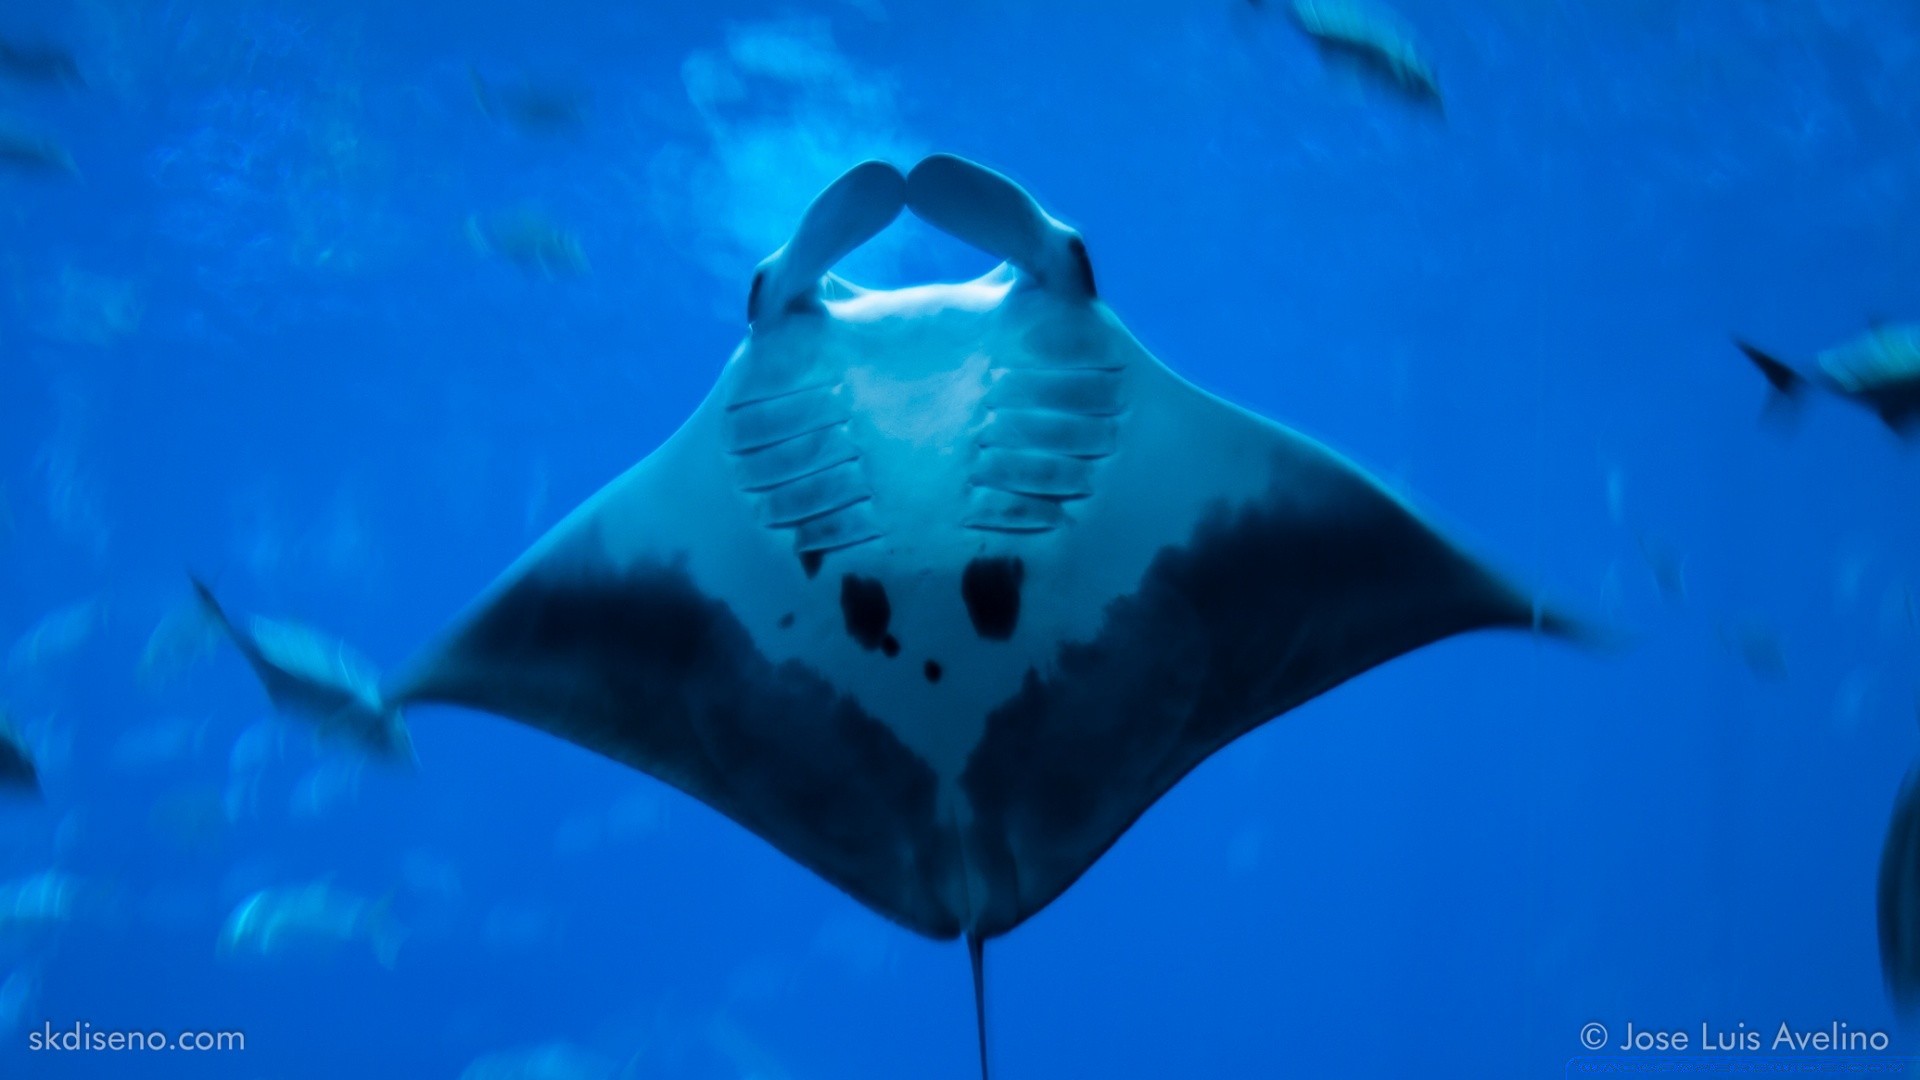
(991, 588)
(642, 666)
(932, 671)
(1267, 605)
(864, 606)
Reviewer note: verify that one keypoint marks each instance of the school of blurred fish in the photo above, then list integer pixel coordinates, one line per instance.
(314, 681)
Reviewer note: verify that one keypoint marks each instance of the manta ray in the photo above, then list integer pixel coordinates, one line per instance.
(942, 587)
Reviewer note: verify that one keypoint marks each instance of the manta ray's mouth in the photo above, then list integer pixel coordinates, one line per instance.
(972, 204)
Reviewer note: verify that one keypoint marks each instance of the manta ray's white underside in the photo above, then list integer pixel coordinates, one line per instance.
(942, 587)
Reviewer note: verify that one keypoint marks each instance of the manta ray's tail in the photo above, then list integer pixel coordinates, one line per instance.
(976, 953)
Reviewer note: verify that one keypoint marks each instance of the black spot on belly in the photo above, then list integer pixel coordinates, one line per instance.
(991, 588)
(933, 671)
(786, 620)
(863, 601)
(810, 562)
(890, 645)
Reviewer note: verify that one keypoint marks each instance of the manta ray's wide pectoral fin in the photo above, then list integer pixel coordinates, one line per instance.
(635, 660)
(852, 210)
(1269, 599)
(975, 204)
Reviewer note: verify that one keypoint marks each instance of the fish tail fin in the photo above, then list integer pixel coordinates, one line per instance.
(976, 954)
(385, 933)
(209, 604)
(1788, 386)
(1784, 380)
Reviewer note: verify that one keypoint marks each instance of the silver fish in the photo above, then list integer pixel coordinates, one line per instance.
(304, 917)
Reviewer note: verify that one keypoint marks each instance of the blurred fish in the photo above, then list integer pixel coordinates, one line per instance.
(1373, 36)
(261, 744)
(258, 746)
(534, 109)
(319, 680)
(1757, 646)
(32, 153)
(183, 637)
(46, 64)
(17, 773)
(159, 744)
(49, 896)
(529, 240)
(304, 918)
(1879, 370)
(57, 634)
(331, 784)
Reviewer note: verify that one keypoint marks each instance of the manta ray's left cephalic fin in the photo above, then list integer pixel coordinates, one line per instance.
(851, 211)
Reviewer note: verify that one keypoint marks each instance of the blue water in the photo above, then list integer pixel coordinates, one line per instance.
(252, 339)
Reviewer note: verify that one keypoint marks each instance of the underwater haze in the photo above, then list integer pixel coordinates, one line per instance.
(341, 306)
